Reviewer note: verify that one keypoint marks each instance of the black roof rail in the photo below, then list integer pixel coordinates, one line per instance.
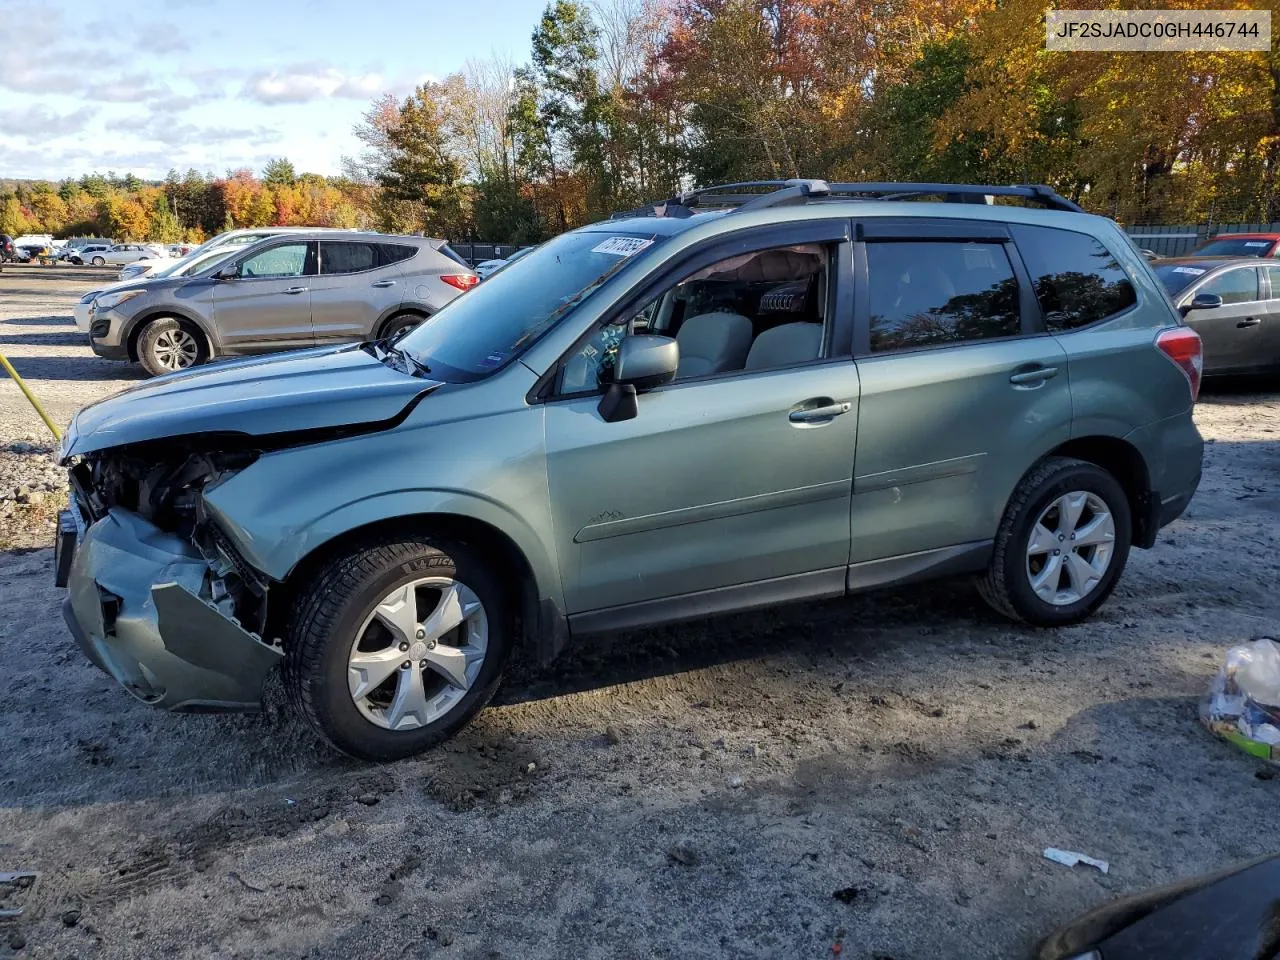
(957, 192)
(801, 190)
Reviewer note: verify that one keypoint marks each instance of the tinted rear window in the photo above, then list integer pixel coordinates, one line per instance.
(452, 254)
(395, 252)
(346, 257)
(1076, 279)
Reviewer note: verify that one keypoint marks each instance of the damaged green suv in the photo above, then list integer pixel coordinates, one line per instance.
(741, 397)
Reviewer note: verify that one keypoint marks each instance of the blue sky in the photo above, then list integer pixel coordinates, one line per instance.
(145, 85)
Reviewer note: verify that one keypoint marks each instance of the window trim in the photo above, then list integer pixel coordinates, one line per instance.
(836, 232)
(1136, 287)
(308, 264)
(1030, 324)
(1273, 289)
(1189, 294)
(378, 265)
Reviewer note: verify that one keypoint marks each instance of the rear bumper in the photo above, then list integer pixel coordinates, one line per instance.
(138, 605)
(1173, 451)
(1172, 507)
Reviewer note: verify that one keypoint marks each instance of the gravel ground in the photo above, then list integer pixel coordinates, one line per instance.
(880, 773)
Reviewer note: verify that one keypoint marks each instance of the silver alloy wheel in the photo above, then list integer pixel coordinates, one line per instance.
(1070, 548)
(176, 349)
(407, 670)
(402, 328)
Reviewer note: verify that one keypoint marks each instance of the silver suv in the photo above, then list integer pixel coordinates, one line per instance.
(282, 292)
(730, 400)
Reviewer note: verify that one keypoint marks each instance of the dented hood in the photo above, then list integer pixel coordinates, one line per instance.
(305, 390)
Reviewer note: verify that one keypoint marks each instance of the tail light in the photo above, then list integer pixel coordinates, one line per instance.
(1182, 346)
(463, 281)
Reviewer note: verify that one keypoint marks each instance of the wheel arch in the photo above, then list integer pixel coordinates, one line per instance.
(1125, 462)
(416, 309)
(543, 628)
(139, 323)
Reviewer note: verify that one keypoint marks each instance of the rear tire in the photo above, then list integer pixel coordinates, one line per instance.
(343, 666)
(399, 325)
(167, 345)
(1061, 546)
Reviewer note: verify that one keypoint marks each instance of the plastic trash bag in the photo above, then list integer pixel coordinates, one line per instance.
(1243, 705)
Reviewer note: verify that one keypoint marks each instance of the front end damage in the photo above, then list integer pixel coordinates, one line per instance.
(157, 597)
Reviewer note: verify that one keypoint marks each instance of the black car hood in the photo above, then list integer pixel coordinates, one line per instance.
(283, 394)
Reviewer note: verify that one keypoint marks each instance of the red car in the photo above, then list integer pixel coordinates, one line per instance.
(1240, 245)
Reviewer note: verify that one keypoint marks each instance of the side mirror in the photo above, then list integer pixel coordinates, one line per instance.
(227, 273)
(645, 361)
(1202, 301)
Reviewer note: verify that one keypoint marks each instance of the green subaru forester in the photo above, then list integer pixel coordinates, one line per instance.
(744, 396)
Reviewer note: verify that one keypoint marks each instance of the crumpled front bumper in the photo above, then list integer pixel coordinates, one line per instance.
(137, 604)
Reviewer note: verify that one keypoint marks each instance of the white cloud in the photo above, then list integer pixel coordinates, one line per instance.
(37, 122)
(306, 82)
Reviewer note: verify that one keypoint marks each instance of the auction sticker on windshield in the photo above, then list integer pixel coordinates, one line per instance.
(622, 246)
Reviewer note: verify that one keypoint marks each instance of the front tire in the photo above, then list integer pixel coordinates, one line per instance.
(1061, 546)
(167, 345)
(395, 646)
(98, 262)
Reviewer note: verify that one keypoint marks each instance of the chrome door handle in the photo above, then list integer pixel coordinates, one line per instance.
(383, 283)
(819, 414)
(1249, 322)
(1038, 375)
(295, 290)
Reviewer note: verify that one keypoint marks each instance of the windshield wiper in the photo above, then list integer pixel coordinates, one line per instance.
(408, 359)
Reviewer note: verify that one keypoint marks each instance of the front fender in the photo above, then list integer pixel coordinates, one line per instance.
(289, 503)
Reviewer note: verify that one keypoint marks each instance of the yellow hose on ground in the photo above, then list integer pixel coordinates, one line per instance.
(53, 427)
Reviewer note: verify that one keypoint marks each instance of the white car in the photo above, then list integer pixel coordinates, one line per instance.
(184, 267)
(84, 254)
(487, 268)
(123, 253)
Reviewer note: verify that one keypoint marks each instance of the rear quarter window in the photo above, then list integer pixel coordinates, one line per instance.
(395, 252)
(1076, 279)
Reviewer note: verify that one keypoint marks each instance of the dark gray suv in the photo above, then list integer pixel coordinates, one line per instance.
(729, 400)
(283, 292)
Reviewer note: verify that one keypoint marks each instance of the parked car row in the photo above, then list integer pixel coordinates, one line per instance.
(255, 291)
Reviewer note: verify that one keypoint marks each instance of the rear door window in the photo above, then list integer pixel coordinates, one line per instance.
(927, 293)
(1076, 279)
(341, 256)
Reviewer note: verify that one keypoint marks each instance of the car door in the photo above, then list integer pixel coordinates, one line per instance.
(1268, 348)
(352, 291)
(960, 393)
(725, 489)
(1232, 333)
(267, 304)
